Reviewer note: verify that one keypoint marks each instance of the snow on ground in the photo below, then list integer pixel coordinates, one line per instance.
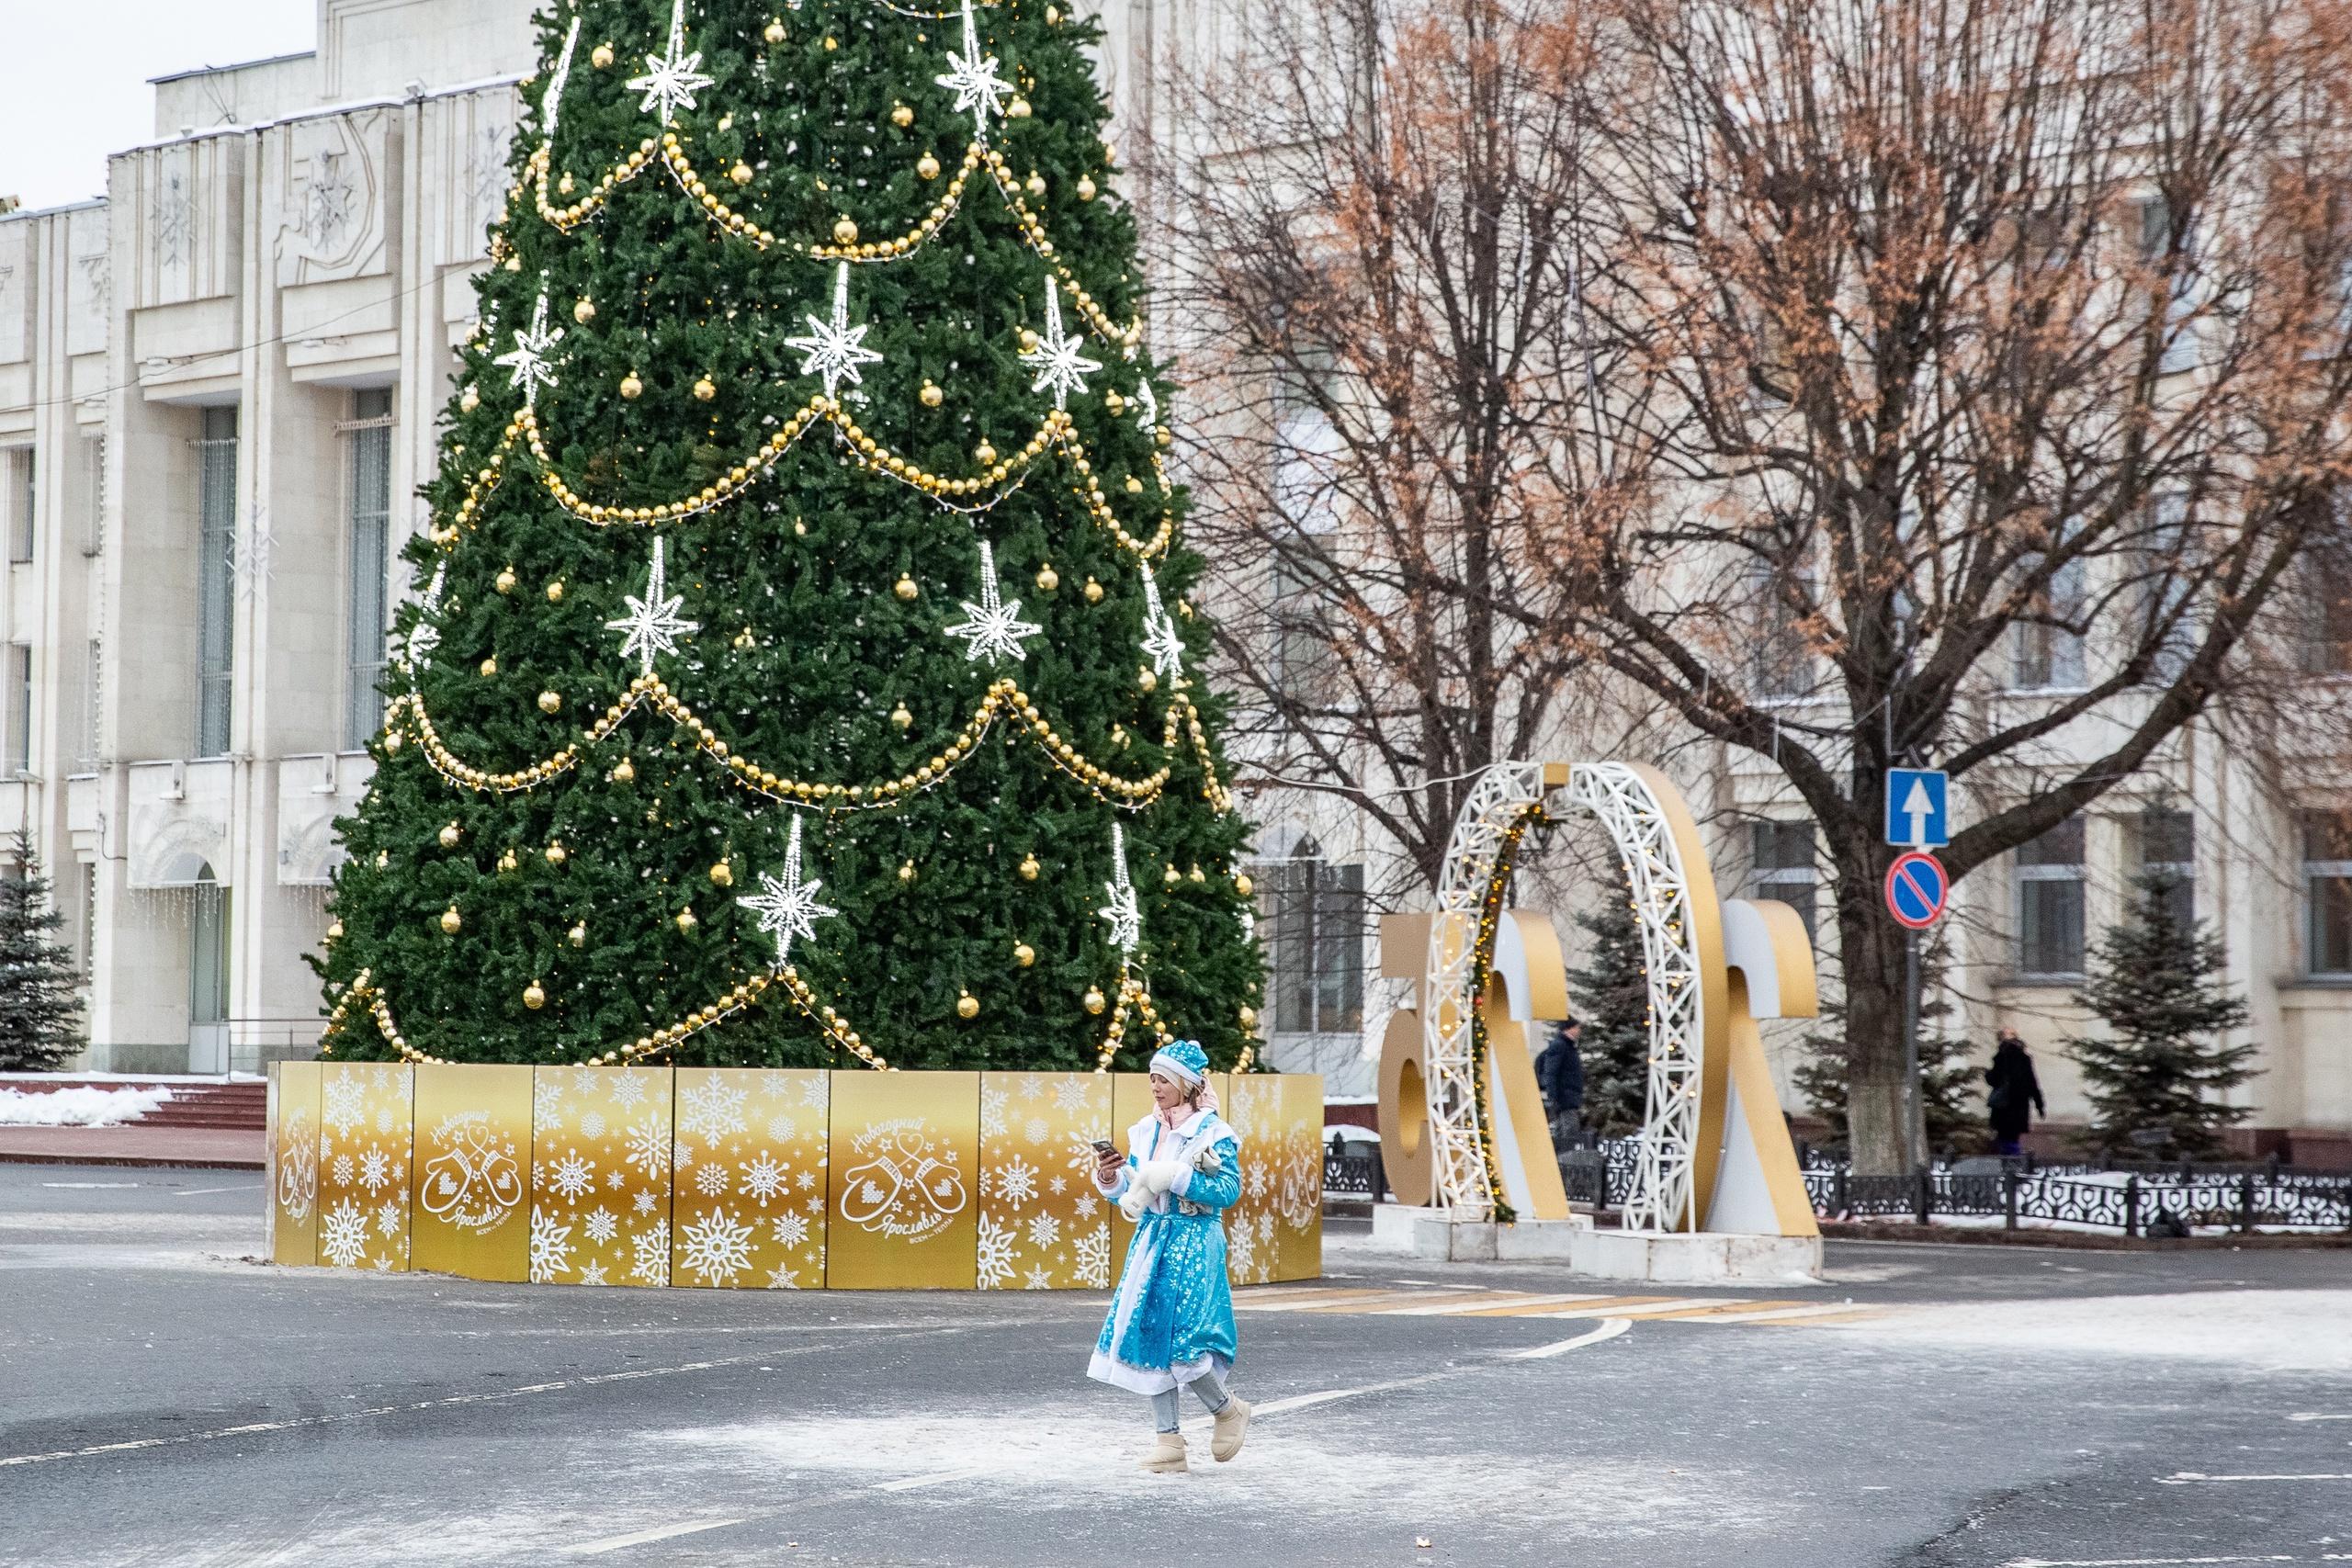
(2268, 1331)
(78, 1107)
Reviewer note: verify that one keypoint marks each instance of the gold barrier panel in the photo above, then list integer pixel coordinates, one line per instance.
(753, 1178)
(293, 1145)
(365, 1115)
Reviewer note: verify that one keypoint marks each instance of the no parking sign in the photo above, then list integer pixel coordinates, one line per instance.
(1916, 887)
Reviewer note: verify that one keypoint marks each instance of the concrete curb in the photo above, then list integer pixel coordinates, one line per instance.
(29, 1156)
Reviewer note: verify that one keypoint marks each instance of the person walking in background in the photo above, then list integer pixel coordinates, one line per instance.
(1559, 1076)
(2014, 1098)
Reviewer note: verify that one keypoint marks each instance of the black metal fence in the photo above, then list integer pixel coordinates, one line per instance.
(1350, 1176)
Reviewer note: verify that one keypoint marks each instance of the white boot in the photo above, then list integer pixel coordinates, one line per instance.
(1167, 1453)
(1232, 1424)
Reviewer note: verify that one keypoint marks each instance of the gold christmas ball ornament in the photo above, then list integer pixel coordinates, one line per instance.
(1243, 886)
(1145, 679)
(906, 589)
(1028, 340)
(334, 932)
(549, 702)
(744, 639)
(774, 31)
(844, 231)
(1017, 109)
(722, 875)
(1023, 954)
(1086, 189)
(902, 117)
(383, 860)
(1095, 999)
(1135, 485)
(740, 174)
(1035, 184)
(705, 390)
(1165, 437)
(1028, 868)
(686, 921)
(1113, 403)
(1196, 873)
(967, 1006)
(507, 861)
(505, 579)
(1053, 15)
(577, 934)
(931, 396)
(534, 997)
(1248, 1017)
(906, 870)
(624, 770)
(1047, 578)
(490, 665)
(451, 834)
(451, 920)
(901, 717)
(832, 42)
(1172, 876)
(470, 399)
(557, 854)
(631, 388)
(391, 741)
(984, 453)
(1093, 592)
(584, 312)
(555, 592)
(601, 56)
(927, 166)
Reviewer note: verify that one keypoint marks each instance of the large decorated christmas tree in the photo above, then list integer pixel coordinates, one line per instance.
(804, 665)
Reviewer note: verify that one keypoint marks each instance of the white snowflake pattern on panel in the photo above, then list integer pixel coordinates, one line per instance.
(1241, 1251)
(550, 1247)
(602, 1226)
(775, 1085)
(345, 1237)
(1032, 1086)
(763, 1180)
(342, 1170)
(672, 79)
(1094, 1259)
(780, 1278)
(1038, 1278)
(1045, 1231)
(1016, 1181)
(997, 1244)
(547, 1100)
(574, 1176)
(718, 1248)
(711, 1109)
(389, 1215)
(1039, 1130)
(591, 1273)
(651, 1247)
(791, 1230)
(1069, 1095)
(586, 1081)
(592, 1125)
(649, 1146)
(783, 1129)
(628, 1091)
(375, 1169)
(812, 1090)
(993, 1104)
(644, 1203)
(345, 1105)
(1086, 1205)
(711, 1180)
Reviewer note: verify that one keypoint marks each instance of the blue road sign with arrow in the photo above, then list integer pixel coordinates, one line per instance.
(1914, 809)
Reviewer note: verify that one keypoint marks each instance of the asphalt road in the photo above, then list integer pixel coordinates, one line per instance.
(163, 1400)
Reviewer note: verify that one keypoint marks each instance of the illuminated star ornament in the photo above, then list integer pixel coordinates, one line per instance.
(834, 349)
(551, 106)
(1125, 919)
(974, 80)
(1055, 358)
(653, 623)
(529, 354)
(1160, 638)
(787, 905)
(1148, 420)
(994, 624)
(671, 80)
(425, 637)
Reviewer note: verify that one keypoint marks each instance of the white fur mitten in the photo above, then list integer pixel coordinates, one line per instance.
(1152, 1177)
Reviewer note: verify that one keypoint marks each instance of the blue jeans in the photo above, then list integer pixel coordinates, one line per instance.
(1165, 1409)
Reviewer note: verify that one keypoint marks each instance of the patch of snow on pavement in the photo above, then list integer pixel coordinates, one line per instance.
(2278, 1331)
(78, 1107)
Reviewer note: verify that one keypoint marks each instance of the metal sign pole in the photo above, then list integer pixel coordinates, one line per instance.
(1914, 1133)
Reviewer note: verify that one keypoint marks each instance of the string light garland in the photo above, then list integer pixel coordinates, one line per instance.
(1482, 958)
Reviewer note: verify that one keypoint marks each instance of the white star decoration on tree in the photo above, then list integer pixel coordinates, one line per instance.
(551, 106)
(1055, 358)
(1149, 418)
(1124, 916)
(834, 349)
(529, 354)
(976, 86)
(787, 905)
(995, 626)
(671, 80)
(425, 637)
(653, 623)
(1160, 638)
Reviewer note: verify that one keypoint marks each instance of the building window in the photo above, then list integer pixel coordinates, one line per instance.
(216, 547)
(2168, 844)
(2049, 903)
(370, 436)
(1779, 655)
(2327, 608)
(207, 967)
(18, 756)
(1311, 915)
(2327, 892)
(2048, 649)
(2168, 597)
(21, 495)
(1782, 858)
(94, 520)
(93, 706)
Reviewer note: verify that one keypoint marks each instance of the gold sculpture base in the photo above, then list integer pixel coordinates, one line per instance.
(748, 1177)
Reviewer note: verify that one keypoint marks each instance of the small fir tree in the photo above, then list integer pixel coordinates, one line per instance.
(1612, 1000)
(1948, 1078)
(41, 1016)
(2162, 1065)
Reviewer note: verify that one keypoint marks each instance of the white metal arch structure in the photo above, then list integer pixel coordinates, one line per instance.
(1674, 897)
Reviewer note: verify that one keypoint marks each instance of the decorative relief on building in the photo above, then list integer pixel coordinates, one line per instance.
(89, 284)
(15, 341)
(330, 196)
(470, 135)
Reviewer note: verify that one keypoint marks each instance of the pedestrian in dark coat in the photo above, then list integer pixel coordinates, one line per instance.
(2014, 1097)
(1559, 1075)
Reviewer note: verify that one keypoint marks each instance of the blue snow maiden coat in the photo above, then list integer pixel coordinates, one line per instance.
(1172, 1318)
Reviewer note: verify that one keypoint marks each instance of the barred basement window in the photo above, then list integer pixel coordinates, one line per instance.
(2049, 903)
(369, 464)
(216, 544)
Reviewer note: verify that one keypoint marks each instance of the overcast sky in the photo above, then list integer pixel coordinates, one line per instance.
(73, 88)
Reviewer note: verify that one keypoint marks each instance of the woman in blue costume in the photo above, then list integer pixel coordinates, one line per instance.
(1170, 1326)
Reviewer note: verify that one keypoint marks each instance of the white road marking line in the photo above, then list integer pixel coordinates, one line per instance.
(2190, 1477)
(1497, 1304)
(664, 1532)
(1787, 1314)
(488, 1396)
(1607, 1330)
(200, 1191)
(2160, 1562)
(2320, 1416)
(89, 1186)
(1670, 1304)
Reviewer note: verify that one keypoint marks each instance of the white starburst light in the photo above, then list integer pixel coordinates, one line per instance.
(973, 78)
(551, 106)
(1160, 638)
(834, 349)
(425, 637)
(1124, 916)
(672, 79)
(529, 355)
(787, 905)
(1149, 418)
(653, 623)
(1056, 360)
(994, 627)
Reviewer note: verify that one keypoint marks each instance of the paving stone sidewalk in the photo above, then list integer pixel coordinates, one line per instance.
(212, 1148)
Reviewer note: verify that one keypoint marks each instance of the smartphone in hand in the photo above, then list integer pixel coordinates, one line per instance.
(1105, 1149)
